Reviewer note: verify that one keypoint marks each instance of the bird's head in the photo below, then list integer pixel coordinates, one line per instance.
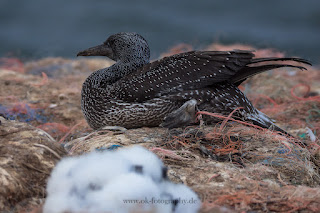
(124, 47)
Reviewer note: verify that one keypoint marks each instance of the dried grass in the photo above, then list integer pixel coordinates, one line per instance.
(27, 156)
(233, 167)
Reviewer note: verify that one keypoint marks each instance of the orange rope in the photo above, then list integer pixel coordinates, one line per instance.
(14, 64)
(44, 80)
(265, 97)
(314, 98)
(66, 135)
(232, 119)
(228, 118)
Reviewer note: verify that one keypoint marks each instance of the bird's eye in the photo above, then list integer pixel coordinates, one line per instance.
(108, 42)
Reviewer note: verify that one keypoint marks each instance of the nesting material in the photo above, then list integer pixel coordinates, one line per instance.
(240, 165)
(232, 169)
(127, 180)
(108, 139)
(27, 156)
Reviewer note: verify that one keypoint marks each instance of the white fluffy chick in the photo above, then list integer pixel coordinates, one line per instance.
(151, 164)
(129, 193)
(127, 180)
(184, 200)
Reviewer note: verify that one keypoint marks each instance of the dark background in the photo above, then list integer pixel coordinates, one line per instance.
(37, 29)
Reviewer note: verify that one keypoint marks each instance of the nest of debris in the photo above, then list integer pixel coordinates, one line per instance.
(27, 157)
(232, 166)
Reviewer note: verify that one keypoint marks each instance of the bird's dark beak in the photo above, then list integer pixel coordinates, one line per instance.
(100, 50)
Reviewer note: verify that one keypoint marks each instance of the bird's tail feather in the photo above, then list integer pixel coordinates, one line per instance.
(262, 120)
(250, 71)
(300, 60)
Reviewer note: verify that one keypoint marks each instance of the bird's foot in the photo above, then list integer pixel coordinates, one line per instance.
(185, 115)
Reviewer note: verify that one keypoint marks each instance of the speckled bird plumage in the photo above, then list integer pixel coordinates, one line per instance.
(135, 93)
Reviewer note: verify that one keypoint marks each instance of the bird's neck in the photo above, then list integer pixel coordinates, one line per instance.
(121, 69)
(107, 76)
